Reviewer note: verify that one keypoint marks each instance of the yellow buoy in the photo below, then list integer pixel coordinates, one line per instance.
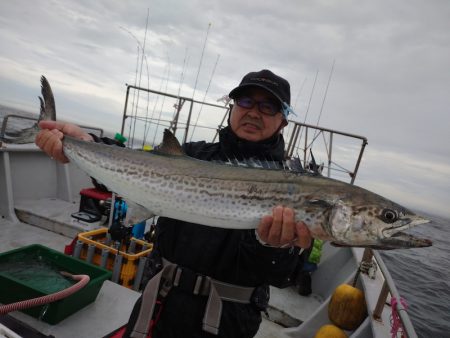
(330, 331)
(347, 307)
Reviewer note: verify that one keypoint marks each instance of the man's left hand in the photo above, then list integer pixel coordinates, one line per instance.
(281, 230)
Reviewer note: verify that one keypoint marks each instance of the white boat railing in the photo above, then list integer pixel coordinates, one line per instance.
(389, 287)
(98, 131)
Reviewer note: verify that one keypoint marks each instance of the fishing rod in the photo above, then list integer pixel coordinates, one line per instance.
(309, 103)
(290, 127)
(178, 106)
(299, 92)
(325, 95)
(140, 73)
(204, 97)
(163, 100)
(201, 60)
(196, 81)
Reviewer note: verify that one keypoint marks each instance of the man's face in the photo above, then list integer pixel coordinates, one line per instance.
(249, 123)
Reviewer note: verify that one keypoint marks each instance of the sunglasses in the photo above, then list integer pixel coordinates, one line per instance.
(266, 107)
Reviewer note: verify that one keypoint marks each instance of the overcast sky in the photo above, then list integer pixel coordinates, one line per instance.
(391, 79)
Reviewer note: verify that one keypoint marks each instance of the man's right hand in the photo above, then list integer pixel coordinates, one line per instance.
(49, 139)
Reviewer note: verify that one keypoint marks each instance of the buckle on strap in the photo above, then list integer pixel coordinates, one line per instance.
(141, 328)
(188, 280)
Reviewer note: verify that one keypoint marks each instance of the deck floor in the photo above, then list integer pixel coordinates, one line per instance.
(16, 235)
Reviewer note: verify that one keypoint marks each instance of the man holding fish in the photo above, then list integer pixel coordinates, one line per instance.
(201, 260)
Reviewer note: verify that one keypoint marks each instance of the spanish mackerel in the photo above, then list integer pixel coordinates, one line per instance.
(168, 183)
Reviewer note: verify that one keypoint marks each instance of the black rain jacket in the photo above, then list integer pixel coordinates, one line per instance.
(232, 256)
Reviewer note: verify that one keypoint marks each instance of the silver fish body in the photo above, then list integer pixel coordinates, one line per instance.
(236, 197)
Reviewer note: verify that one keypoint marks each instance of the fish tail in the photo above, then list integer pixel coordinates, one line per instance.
(47, 112)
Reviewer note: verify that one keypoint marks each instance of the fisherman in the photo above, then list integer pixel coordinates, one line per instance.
(214, 281)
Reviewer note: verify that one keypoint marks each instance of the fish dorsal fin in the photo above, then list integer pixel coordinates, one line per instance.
(169, 145)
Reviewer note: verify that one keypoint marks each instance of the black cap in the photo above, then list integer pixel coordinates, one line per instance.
(267, 80)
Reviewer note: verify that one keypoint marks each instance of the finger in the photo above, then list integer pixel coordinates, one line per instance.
(275, 228)
(303, 235)
(50, 143)
(57, 147)
(264, 227)
(288, 226)
(47, 124)
(42, 140)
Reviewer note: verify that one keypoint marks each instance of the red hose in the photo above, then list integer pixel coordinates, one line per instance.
(25, 304)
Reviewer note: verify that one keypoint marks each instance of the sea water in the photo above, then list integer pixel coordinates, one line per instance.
(422, 278)
(35, 271)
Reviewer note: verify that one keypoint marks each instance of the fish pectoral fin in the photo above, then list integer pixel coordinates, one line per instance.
(318, 203)
(136, 214)
(169, 145)
(372, 246)
(340, 245)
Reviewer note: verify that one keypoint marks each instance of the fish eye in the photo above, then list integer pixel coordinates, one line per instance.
(389, 216)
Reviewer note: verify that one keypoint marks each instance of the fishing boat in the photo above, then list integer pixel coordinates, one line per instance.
(40, 200)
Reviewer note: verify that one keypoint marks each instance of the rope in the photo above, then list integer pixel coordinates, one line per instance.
(396, 324)
(25, 304)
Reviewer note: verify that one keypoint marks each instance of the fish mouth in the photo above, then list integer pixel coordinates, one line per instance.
(403, 224)
(395, 238)
(401, 240)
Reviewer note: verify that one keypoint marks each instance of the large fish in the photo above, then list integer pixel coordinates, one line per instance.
(168, 183)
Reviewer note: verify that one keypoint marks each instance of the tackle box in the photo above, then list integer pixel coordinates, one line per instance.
(33, 271)
(98, 249)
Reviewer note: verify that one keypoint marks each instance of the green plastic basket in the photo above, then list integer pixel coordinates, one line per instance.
(14, 288)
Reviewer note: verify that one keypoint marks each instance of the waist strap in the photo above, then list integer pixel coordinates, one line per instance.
(172, 275)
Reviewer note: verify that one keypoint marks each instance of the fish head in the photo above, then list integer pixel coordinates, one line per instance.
(379, 225)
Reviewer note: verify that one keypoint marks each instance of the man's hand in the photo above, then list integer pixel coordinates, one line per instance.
(281, 230)
(49, 139)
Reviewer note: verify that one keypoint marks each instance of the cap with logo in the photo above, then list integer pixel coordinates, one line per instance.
(269, 81)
